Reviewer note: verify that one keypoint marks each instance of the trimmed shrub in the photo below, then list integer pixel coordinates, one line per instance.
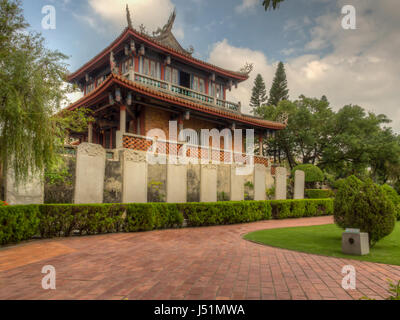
(365, 206)
(319, 194)
(18, 223)
(64, 219)
(285, 209)
(150, 216)
(394, 197)
(312, 173)
(224, 213)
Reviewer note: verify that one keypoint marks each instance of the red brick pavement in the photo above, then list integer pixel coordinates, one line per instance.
(204, 263)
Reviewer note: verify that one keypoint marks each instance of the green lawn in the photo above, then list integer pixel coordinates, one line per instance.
(327, 240)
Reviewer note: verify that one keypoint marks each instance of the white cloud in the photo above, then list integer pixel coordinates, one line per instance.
(112, 14)
(225, 55)
(247, 5)
(363, 67)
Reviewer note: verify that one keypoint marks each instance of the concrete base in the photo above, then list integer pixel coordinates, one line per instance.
(134, 176)
(356, 244)
(208, 183)
(176, 183)
(89, 176)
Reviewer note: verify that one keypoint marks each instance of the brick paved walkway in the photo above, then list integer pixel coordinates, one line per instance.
(204, 263)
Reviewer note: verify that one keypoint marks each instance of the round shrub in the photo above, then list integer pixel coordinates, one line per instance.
(365, 206)
(394, 197)
(313, 174)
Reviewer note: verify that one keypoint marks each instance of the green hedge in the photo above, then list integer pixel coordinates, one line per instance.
(19, 223)
(285, 209)
(223, 213)
(63, 219)
(150, 216)
(319, 194)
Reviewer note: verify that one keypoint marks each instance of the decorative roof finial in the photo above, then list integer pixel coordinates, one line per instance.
(128, 17)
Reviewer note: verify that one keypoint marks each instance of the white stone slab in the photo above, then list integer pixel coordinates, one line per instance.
(176, 183)
(134, 176)
(260, 177)
(89, 176)
(237, 185)
(280, 184)
(208, 183)
(30, 191)
(299, 185)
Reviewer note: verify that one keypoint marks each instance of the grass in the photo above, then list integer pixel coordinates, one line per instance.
(327, 240)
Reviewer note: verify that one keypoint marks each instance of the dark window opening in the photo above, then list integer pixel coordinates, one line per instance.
(184, 79)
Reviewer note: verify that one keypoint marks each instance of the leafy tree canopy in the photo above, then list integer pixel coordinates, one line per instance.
(32, 90)
(349, 141)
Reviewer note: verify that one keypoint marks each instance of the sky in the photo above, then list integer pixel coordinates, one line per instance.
(359, 67)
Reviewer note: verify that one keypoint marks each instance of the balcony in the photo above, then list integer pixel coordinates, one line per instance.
(183, 92)
(202, 154)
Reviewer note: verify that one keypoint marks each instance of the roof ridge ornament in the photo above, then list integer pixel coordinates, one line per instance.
(168, 27)
(128, 17)
(247, 68)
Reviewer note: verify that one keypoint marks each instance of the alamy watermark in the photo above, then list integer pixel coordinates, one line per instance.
(49, 280)
(203, 147)
(349, 21)
(49, 20)
(349, 280)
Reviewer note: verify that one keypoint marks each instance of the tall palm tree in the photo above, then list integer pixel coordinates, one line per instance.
(271, 4)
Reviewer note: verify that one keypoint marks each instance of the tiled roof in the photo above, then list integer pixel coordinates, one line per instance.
(152, 42)
(139, 88)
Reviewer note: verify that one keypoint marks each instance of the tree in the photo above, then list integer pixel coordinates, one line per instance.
(279, 90)
(271, 4)
(31, 91)
(259, 93)
(365, 206)
(350, 141)
(307, 131)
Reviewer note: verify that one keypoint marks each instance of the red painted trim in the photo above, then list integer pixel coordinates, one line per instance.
(162, 71)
